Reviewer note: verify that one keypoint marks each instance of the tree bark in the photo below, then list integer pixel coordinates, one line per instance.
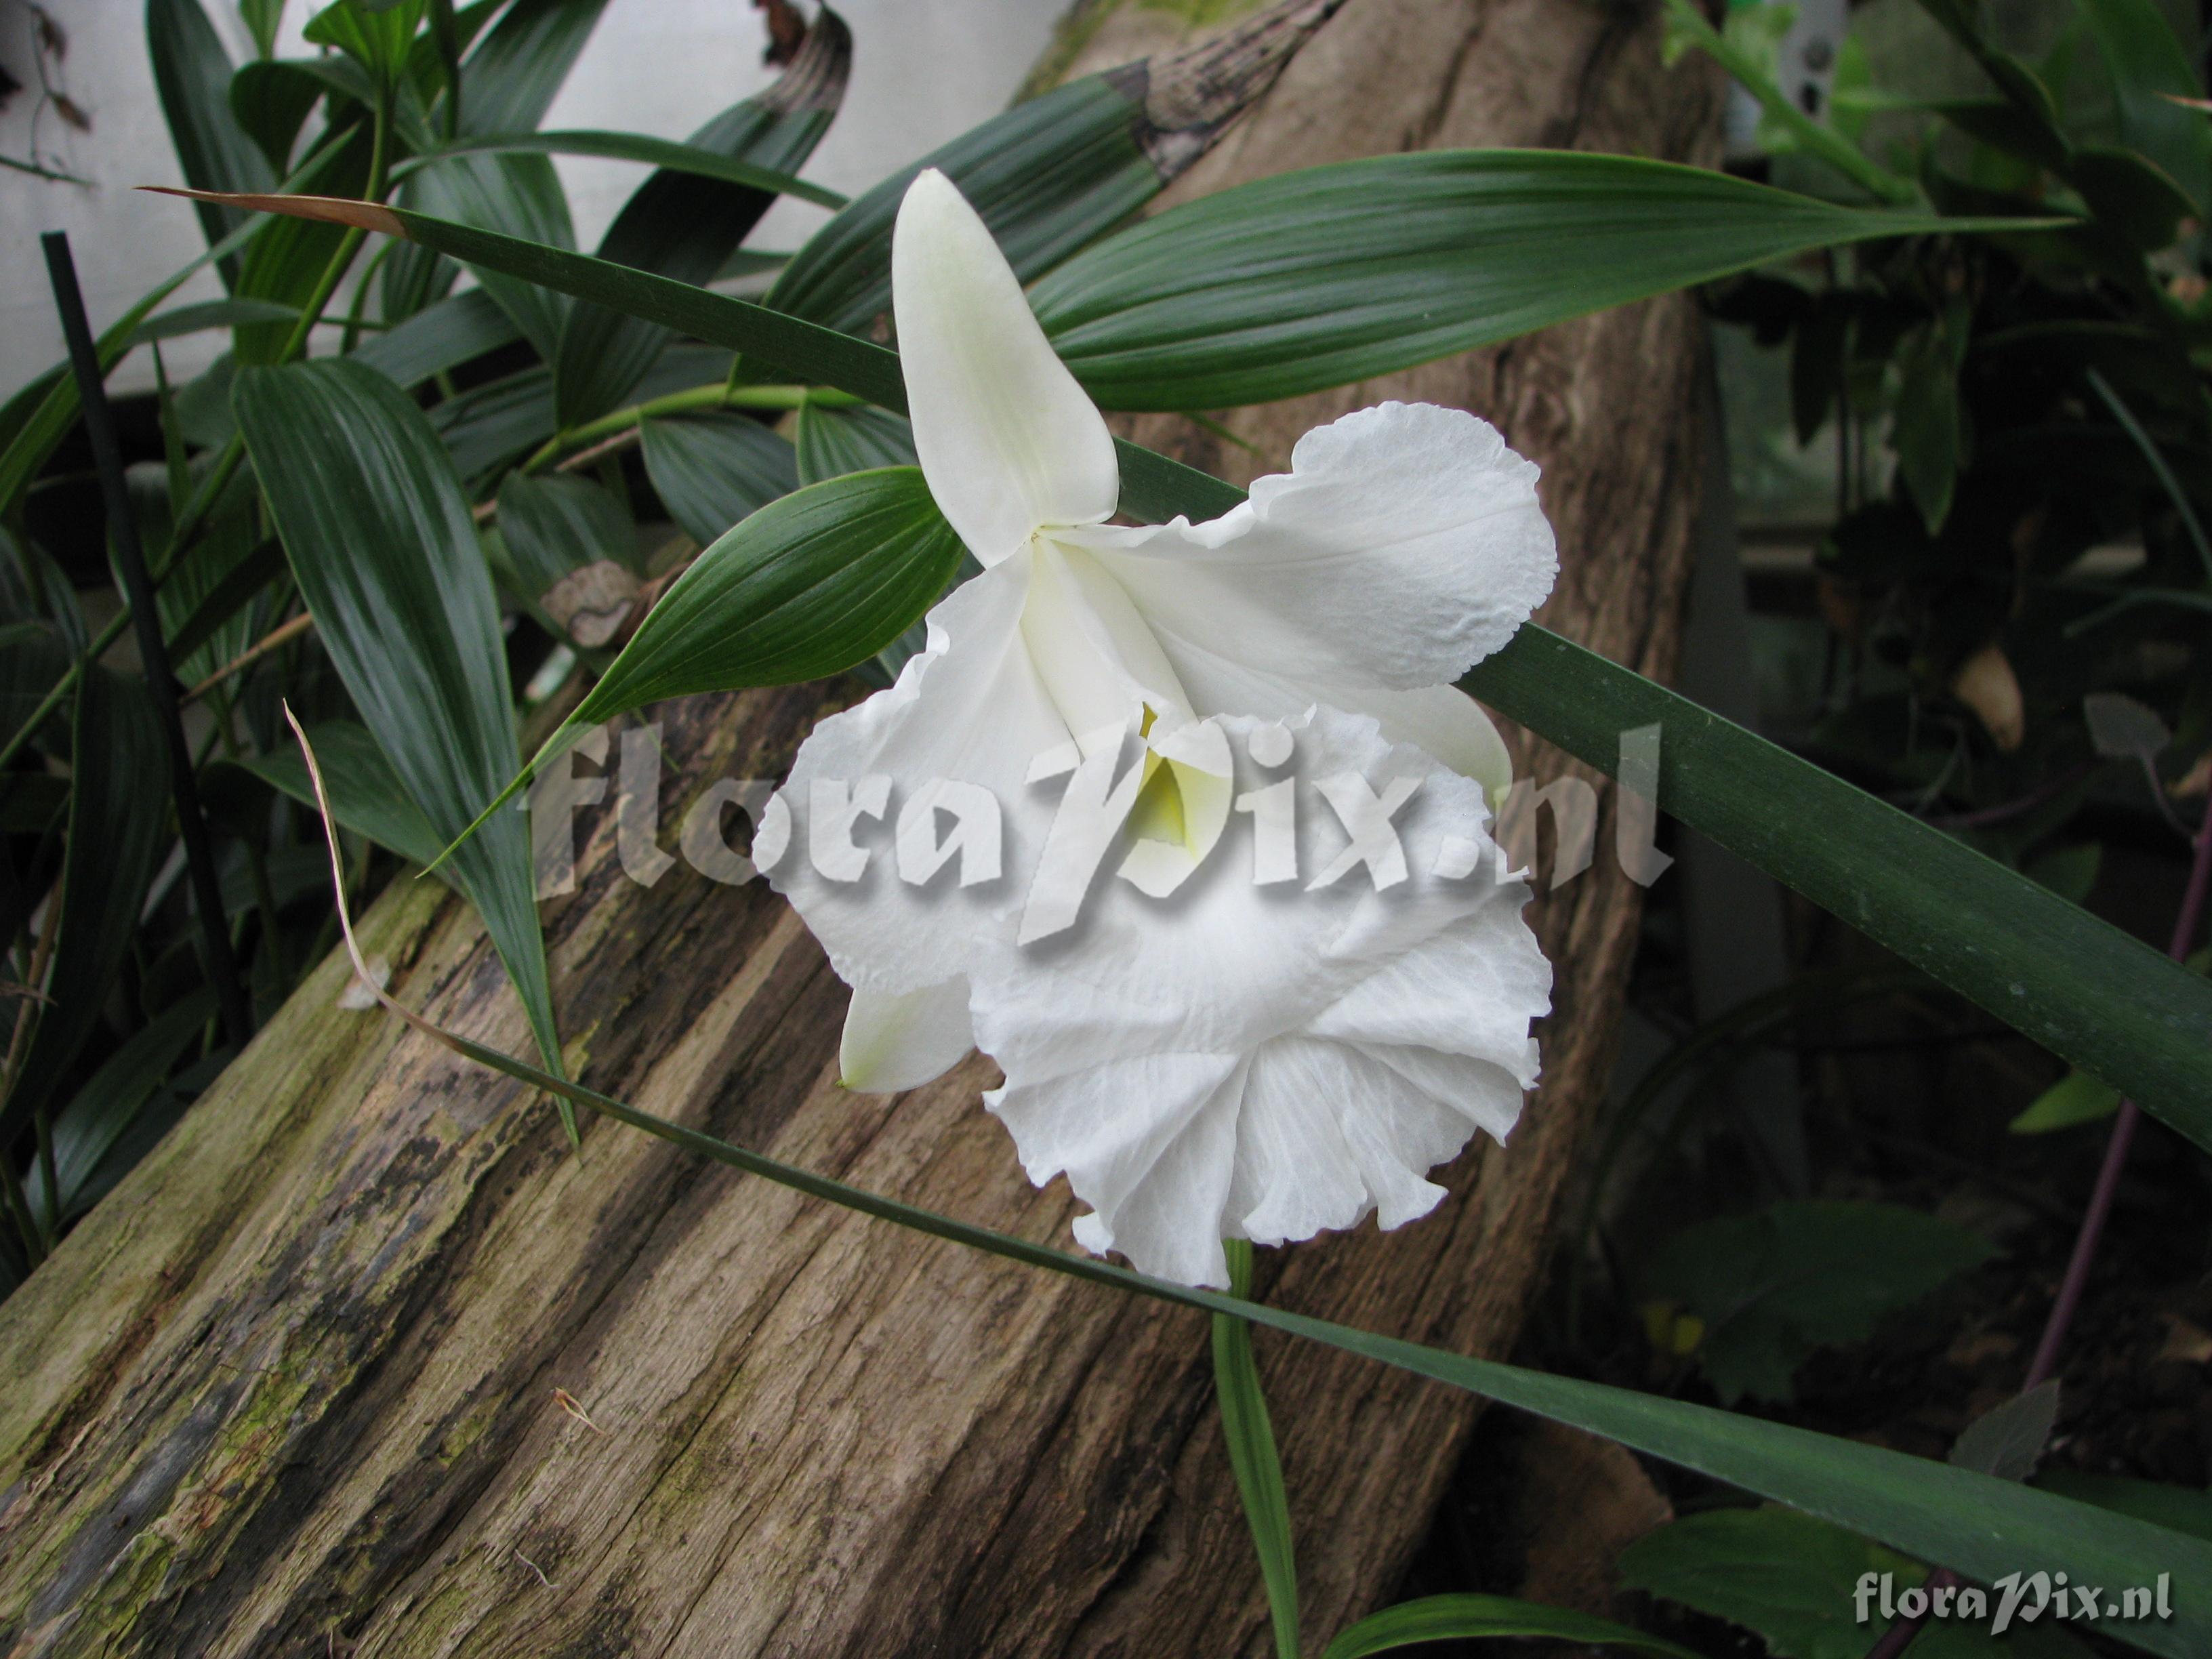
(361, 1361)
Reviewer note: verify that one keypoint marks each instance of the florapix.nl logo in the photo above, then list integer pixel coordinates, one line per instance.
(732, 830)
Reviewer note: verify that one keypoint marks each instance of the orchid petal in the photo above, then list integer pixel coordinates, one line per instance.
(1009, 442)
(1405, 544)
(969, 709)
(893, 1043)
(1258, 1062)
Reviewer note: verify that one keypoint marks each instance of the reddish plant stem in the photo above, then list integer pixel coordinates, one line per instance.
(2091, 1233)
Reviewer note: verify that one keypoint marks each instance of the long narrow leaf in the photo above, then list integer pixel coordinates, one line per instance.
(1252, 1456)
(384, 549)
(1316, 278)
(2082, 988)
(191, 77)
(692, 159)
(1054, 171)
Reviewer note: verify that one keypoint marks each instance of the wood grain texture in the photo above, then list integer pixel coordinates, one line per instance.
(292, 1388)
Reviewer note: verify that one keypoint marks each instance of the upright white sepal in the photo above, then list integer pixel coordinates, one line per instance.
(1008, 441)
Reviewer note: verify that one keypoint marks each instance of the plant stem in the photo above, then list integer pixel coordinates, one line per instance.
(719, 395)
(2091, 1233)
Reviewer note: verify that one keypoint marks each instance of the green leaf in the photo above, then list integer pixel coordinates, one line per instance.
(2075, 1099)
(1054, 171)
(1788, 1576)
(832, 440)
(385, 552)
(191, 77)
(1770, 1288)
(2006, 1441)
(262, 17)
(376, 37)
(711, 469)
(490, 426)
(2085, 991)
(1461, 1618)
(210, 314)
(2177, 1509)
(557, 524)
(103, 1110)
(694, 158)
(1979, 1526)
(1252, 1456)
(118, 826)
(509, 80)
(366, 794)
(802, 588)
(686, 226)
(1321, 278)
(2022, 87)
(2149, 69)
(573, 551)
(2004, 125)
(271, 99)
(518, 195)
(286, 263)
(1046, 176)
(438, 338)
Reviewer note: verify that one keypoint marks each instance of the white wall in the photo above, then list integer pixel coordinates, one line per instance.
(923, 70)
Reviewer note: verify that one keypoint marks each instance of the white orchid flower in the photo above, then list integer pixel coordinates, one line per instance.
(1267, 1061)
(1405, 544)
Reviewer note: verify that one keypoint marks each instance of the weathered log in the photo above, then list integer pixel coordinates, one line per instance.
(362, 1360)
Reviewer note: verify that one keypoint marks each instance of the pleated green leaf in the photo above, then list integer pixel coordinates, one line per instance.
(1319, 277)
(385, 552)
(1048, 176)
(438, 338)
(509, 80)
(710, 470)
(555, 525)
(1974, 1523)
(118, 825)
(804, 588)
(1468, 1617)
(686, 224)
(489, 427)
(518, 195)
(1055, 171)
(832, 440)
(191, 77)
